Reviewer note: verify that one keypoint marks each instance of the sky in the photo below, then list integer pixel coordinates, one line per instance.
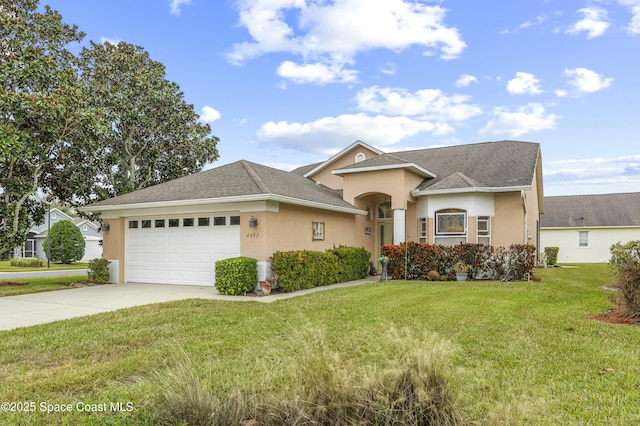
(287, 83)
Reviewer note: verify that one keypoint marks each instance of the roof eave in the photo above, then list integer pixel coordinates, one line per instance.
(224, 200)
(418, 193)
(413, 167)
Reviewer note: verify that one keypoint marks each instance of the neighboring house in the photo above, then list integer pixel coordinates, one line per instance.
(174, 232)
(34, 245)
(585, 226)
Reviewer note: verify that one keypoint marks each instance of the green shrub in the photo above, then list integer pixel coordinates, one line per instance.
(236, 276)
(353, 262)
(551, 254)
(67, 243)
(628, 279)
(98, 270)
(624, 254)
(302, 269)
(27, 262)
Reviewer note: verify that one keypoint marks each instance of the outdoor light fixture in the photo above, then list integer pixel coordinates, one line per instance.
(106, 227)
(253, 222)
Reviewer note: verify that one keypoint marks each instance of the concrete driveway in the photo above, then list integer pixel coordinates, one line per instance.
(41, 308)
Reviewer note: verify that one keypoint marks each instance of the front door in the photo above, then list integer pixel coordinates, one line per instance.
(385, 234)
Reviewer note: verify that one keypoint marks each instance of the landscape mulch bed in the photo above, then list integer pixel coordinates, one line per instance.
(10, 284)
(614, 316)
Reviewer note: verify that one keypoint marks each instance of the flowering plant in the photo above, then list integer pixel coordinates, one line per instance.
(462, 267)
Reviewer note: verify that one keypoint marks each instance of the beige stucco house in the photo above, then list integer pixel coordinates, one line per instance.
(584, 227)
(174, 232)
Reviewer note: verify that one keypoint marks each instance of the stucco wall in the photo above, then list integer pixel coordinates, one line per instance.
(600, 239)
(396, 183)
(325, 176)
(507, 227)
(291, 229)
(113, 246)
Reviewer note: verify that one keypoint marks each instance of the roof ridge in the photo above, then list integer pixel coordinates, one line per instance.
(254, 176)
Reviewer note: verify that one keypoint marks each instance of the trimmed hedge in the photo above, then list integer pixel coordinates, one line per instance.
(551, 254)
(98, 270)
(236, 276)
(417, 259)
(67, 243)
(27, 262)
(301, 269)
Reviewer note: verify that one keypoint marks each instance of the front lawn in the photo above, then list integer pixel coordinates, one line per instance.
(5, 266)
(37, 285)
(517, 353)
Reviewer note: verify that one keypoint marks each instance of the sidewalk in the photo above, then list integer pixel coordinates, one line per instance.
(41, 308)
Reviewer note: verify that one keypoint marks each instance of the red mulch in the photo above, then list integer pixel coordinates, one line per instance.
(616, 317)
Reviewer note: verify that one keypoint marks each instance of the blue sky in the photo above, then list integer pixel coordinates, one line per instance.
(289, 82)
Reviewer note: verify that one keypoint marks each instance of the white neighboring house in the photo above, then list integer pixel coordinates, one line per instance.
(585, 226)
(35, 238)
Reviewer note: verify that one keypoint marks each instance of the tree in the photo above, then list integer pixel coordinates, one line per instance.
(43, 111)
(67, 242)
(154, 134)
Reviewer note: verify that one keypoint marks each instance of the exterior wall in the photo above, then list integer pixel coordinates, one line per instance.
(508, 223)
(597, 251)
(397, 183)
(291, 229)
(325, 176)
(113, 247)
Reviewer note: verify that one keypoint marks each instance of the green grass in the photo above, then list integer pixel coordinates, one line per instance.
(5, 266)
(520, 353)
(40, 284)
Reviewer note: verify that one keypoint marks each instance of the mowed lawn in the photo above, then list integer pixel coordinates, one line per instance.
(518, 353)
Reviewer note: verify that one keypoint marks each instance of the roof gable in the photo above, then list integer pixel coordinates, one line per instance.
(320, 166)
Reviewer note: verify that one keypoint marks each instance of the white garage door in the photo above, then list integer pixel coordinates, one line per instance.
(179, 250)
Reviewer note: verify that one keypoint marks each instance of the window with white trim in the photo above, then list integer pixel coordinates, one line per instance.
(360, 157)
(451, 227)
(484, 230)
(583, 238)
(422, 230)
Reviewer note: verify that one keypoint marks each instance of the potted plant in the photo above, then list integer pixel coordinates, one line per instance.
(462, 269)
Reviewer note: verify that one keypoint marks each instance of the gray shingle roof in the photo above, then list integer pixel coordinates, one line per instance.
(574, 211)
(241, 178)
(487, 164)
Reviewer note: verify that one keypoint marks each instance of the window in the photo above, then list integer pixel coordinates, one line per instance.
(133, 224)
(368, 217)
(203, 221)
(159, 223)
(54, 215)
(234, 220)
(360, 157)
(422, 230)
(219, 221)
(484, 230)
(583, 238)
(188, 221)
(451, 227)
(84, 227)
(174, 223)
(146, 223)
(318, 231)
(384, 210)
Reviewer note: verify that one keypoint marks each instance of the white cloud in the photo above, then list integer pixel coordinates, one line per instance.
(429, 104)
(465, 80)
(634, 5)
(113, 41)
(524, 83)
(317, 73)
(328, 135)
(334, 32)
(524, 119)
(209, 115)
(561, 93)
(389, 68)
(586, 80)
(176, 6)
(595, 22)
(539, 20)
(621, 172)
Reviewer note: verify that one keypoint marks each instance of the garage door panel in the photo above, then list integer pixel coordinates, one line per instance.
(178, 255)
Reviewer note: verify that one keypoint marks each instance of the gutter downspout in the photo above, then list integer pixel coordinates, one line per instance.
(524, 208)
